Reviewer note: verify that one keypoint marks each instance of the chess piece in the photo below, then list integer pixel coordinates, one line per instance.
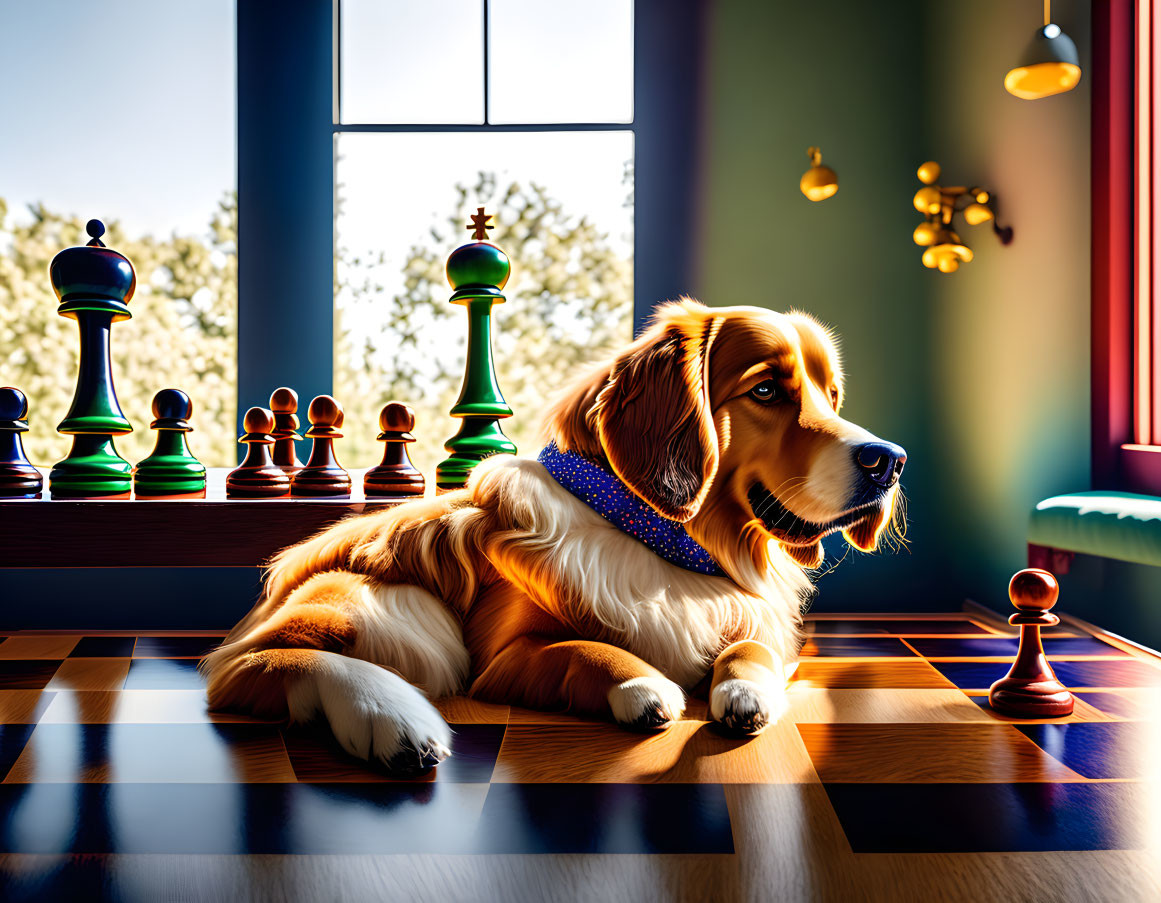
(396, 477)
(94, 285)
(322, 476)
(257, 477)
(1030, 689)
(171, 470)
(18, 478)
(477, 271)
(284, 404)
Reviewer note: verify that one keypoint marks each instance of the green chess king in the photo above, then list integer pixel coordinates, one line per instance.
(477, 272)
(94, 285)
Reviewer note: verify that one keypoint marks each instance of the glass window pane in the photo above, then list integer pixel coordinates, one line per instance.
(565, 218)
(403, 61)
(560, 62)
(127, 115)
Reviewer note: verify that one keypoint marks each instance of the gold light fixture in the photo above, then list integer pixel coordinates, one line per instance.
(1050, 64)
(947, 252)
(944, 249)
(819, 182)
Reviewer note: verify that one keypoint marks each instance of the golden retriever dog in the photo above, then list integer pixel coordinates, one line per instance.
(722, 427)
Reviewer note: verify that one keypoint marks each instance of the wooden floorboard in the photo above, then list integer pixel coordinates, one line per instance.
(887, 778)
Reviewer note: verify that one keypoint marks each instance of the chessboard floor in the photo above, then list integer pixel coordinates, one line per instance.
(888, 778)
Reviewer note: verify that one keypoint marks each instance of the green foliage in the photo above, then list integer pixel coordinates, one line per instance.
(182, 333)
(569, 302)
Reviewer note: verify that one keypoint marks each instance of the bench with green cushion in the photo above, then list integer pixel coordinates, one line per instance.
(1119, 525)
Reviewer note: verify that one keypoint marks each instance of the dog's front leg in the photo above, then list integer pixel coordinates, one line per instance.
(749, 687)
(583, 677)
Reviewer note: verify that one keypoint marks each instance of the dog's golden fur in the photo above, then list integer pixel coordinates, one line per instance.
(516, 591)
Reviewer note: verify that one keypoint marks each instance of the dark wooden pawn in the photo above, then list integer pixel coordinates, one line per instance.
(257, 477)
(322, 476)
(171, 471)
(396, 477)
(1030, 689)
(284, 404)
(18, 478)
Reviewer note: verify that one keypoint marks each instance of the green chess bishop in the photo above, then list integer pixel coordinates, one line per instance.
(477, 272)
(94, 284)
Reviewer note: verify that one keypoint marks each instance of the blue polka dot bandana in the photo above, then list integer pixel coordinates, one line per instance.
(617, 504)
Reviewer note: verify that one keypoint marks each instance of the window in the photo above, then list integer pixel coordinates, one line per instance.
(139, 134)
(1146, 432)
(525, 108)
(1126, 324)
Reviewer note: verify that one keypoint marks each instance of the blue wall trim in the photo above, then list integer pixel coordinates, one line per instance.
(285, 199)
(668, 38)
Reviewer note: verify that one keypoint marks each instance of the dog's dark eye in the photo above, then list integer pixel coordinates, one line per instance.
(765, 392)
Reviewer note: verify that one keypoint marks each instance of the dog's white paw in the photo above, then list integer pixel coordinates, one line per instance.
(373, 713)
(647, 703)
(745, 707)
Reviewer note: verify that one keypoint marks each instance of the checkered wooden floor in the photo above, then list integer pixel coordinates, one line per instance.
(888, 778)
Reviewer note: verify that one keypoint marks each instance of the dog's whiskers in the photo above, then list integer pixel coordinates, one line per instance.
(785, 483)
(786, 512)
(771, 498)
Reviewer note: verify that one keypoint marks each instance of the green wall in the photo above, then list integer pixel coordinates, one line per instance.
(1013, 378)
(982, 375)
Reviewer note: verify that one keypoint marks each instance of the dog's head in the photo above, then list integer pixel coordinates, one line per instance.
(728, 419)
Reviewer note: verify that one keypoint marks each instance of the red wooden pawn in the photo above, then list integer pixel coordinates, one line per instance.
(1030, 689)
(284, 404)
(322, 476)
(396, 476)
(257, 477)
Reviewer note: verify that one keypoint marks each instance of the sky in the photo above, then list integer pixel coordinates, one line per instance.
(122, 109)
(551, 61)
(125, 110)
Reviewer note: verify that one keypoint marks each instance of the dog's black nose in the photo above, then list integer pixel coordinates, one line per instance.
(881, 462)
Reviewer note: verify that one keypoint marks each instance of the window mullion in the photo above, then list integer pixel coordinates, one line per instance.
(337, 64)
(487, 43)
(285, 199)
(1143, 329)
(1153, 232)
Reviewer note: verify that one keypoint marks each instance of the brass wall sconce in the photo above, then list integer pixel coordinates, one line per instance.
(1050, 64)
(819, 182)
(945, 251)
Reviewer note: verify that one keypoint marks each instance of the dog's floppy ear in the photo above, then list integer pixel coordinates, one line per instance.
(654, 422)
